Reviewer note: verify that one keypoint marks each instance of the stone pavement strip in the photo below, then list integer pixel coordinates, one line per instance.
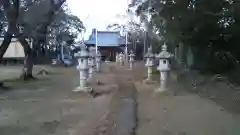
(121, 119)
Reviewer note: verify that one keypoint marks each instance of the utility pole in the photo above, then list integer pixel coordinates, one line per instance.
(96, 38)
(126, 32)
(126, 45)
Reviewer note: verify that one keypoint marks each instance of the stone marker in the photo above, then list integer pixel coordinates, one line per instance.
(131, 59)
(91, 63)
(149, 64)
(163, 67)
(98, 61)
(117, 58)
(82, 57)
(121, 59)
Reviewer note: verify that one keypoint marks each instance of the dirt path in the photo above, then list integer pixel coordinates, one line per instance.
(48, 106)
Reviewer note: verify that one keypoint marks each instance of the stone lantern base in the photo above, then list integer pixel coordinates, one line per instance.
(84, 89)
(98, 67)
(163, 86)
(163, 81)
(130, 69)
(160, 90)
(131, 64)
(149, 81)
(121, 63)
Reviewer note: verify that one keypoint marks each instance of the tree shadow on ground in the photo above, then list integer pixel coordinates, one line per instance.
(20, 84)
(187, 82)
(219, 91)
(43, 78)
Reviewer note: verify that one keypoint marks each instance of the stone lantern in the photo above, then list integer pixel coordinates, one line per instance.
(98, 61)
(121, 58)
(91, 63)
(149, 63)
(131, 59)
(82, 57)
(163, 67)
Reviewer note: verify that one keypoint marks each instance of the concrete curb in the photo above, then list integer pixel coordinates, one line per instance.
(126, 115)
(122, 116)
(126, 118)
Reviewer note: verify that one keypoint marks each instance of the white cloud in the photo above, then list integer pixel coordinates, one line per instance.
(97, 13)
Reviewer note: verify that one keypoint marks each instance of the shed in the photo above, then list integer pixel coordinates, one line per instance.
(14, 50)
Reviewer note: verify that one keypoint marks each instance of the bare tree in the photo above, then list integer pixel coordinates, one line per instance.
(32, 25)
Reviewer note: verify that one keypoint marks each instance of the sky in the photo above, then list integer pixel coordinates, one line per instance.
(97, 13)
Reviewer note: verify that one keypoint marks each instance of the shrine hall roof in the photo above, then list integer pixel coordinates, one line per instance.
(105, 38)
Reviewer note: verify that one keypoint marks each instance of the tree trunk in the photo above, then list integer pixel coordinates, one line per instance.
(3, 48)
(11, 22)
(28, 67)
(6, 41)
(28, 61)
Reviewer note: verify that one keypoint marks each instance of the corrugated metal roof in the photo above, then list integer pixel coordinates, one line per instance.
(106, 38)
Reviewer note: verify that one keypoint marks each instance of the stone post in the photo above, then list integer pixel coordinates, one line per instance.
(121, 59)
(149, 64)
(131, 59)
(117, 58)
(91, 63)
(163, 67)
(98, 61)
(82, 57)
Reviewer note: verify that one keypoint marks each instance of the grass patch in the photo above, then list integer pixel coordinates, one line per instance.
(48, 80)
(18, 83)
